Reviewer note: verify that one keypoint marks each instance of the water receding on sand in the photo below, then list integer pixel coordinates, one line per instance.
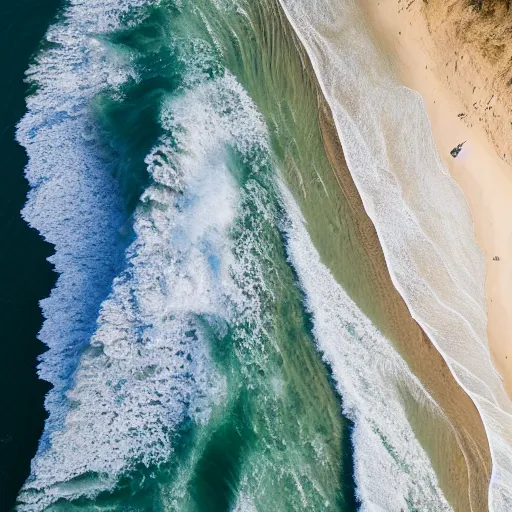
(420, 215)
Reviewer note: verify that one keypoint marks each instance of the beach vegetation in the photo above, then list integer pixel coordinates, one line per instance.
(489, 6)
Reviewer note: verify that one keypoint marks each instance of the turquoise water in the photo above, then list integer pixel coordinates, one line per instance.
(202, 355)
(201, 381)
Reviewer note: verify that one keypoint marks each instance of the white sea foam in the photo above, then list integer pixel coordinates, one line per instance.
(244, 504)
(74, 202)
(420, 214)
(392, 470)
(143, 364)
(147, 365)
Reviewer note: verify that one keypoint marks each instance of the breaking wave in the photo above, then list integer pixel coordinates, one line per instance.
(147, 365)
(147, 298)
(392, 470)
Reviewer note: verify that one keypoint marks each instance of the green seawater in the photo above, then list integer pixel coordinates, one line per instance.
(278, 437)
(271, 434)
(277, 440)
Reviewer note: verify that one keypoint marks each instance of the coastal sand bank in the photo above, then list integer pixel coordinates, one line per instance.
(452, 434)
(420, 60)
(439, 49)
(455, 439)
(433, 259)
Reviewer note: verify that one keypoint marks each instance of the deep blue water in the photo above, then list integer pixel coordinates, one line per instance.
(25, 275)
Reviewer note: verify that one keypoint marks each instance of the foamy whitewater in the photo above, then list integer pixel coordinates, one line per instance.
(421, 216)
(129, 347)
(147, 366)
(73, 202)
(369, 374)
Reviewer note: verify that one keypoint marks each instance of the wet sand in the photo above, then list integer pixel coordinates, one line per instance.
(420, 61)
(456, 439)
(453, 435)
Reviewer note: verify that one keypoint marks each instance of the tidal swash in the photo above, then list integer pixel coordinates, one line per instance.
(205, 348)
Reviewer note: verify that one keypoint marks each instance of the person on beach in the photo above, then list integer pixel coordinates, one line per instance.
(456, 150)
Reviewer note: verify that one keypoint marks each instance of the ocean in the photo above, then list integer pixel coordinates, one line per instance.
(215, 339)
(26, 277)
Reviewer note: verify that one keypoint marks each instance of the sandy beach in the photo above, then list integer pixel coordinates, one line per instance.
(401, 34)
(456, 439)
(485, 177)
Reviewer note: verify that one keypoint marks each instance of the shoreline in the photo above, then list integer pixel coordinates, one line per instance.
(483, 176)
(450, 305)
(455, 439)
(485, 179)
(463, 461)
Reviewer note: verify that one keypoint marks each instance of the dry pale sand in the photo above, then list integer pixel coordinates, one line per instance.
(404, 29)
(456, 439)
(473, 44)
(453, 435)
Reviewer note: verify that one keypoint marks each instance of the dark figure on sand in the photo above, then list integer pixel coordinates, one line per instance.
(456, 150)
